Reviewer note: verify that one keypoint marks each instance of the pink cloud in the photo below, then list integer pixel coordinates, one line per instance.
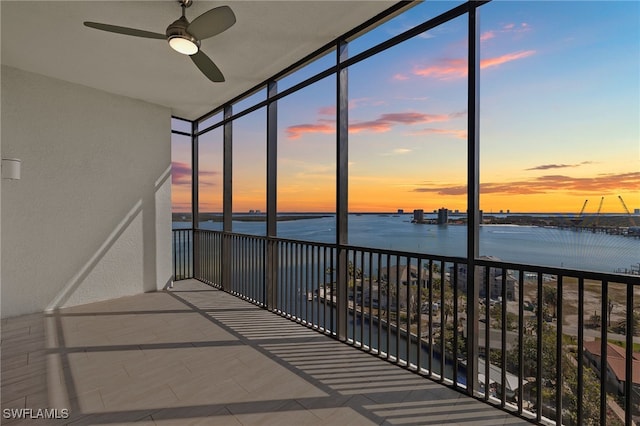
(499, 60)
(294, 132)
(400, 77)
(487, 35)
(181, 175)
(381, 124)
(328, 110)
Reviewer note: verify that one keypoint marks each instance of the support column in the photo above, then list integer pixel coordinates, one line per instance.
(342, 179)
(271, 264)
(473, 198)
(227, 197)
(195, 197)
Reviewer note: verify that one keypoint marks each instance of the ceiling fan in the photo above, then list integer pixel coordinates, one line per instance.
(185, 37)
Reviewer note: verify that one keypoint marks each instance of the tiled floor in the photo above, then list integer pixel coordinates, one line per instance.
(196, 355)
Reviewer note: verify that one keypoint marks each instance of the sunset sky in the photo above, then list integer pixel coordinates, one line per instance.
(560, 114)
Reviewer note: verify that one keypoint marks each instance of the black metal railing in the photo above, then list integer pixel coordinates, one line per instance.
(182, 254)
(543, 337)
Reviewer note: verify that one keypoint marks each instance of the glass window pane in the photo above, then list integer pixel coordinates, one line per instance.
(250, 173)
(210, 121)
(250, 101)
(309, 70)
(210, 179)
(307, 163)
(559, 126)
(180, 125)
(181, 178)
(407, 144)
(415, 15)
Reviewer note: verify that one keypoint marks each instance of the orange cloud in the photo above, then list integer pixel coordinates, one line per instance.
(494, 62)
(456, 133)
(294, 132)
(600, 184)
(448, 69)
(445, 70)
(375, 126)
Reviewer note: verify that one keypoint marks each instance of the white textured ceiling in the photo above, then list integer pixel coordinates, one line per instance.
(48, 37)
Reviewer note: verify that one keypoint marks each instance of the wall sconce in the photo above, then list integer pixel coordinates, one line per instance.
(11, 168)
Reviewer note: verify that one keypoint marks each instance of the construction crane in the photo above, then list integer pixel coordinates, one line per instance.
(633, 223)
(577, 220)
(598, 212)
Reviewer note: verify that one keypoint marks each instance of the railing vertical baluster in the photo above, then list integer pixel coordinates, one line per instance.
(397, 306)
(443, 357)
(503, 353)
(244, 267)
(539, 349)
(487, 329)
(604, 361)
(419, 316)
(520, 340)
(324, 286)
(362, 301)
(559, 355)
(580, 385)
(354, 295)
(286, 305)
(379, 303)
(314, 284)
(308, 271)
(334, 288)
(388, 307)
(296, 281)
(454, 320)
(280, 276)
(370, 301)
(430, 319)
(408, 309)
(628, 382)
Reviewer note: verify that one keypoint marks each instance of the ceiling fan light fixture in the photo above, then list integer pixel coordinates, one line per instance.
(180, 39)
(184, 45)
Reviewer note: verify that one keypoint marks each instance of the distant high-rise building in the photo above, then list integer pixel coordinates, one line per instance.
(636, 211)
(400, 211)
(443, 216)
(418, 215)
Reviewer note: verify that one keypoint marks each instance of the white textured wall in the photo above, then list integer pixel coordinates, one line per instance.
(90, 218)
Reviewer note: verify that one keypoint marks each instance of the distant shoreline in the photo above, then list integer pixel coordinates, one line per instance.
(519, 219)
(247, 217)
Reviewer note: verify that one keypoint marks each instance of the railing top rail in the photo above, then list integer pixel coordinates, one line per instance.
(565, 272)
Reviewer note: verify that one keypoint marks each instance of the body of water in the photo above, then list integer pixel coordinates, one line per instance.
(520, 244)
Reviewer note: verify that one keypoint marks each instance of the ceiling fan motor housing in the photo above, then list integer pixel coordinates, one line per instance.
(178, 29)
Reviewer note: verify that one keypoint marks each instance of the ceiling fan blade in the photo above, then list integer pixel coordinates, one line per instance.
(208, 68)
(212, 22)
(124, 30)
